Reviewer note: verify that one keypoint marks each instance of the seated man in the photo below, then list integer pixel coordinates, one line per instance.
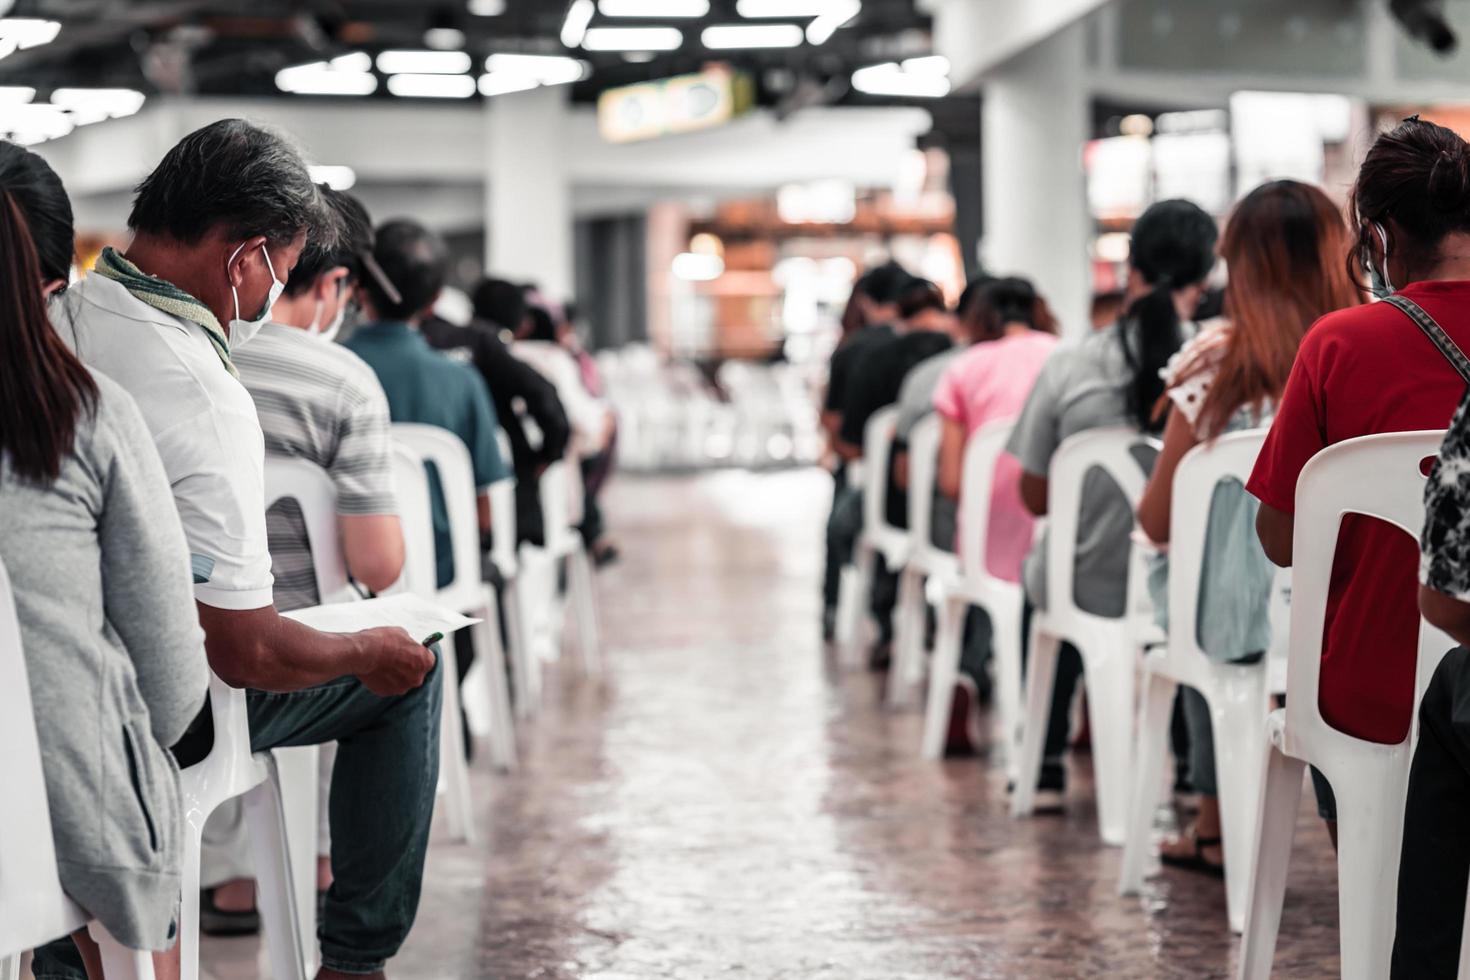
(217, 225)
(319, 402)
(422, 384)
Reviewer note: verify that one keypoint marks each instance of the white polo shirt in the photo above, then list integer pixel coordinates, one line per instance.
(203, 422)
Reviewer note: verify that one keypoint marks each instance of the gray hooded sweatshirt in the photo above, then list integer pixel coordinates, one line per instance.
(115, 660)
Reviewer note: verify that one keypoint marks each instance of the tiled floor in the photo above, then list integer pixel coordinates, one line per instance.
(727, 804)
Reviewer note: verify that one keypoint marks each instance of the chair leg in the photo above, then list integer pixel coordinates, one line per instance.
(118, 962)
(1281, 793)
(866, 563)
(527, 666)
(1153, 737)
(10, 967)
(908, 644)
(491, 653)
(583, 597)
(298, 769)
(1110, 709)
(1370, 832)
(189, 898)
(275, 894)
(1240, 746)
(1005, 645)
(944, 669)
(1040, 683)
(453, 769)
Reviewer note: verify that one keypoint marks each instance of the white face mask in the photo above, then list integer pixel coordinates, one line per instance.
(241, 330)
(329, 332)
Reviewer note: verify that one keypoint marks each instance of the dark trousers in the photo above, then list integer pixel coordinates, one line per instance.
(381, 806)
(1435, 864)
(836, 558)
(1059, 722)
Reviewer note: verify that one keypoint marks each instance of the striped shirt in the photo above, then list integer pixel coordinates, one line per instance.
(319, 402)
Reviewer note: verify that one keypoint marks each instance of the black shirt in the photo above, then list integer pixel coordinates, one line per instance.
(845, 357)
(877, 374)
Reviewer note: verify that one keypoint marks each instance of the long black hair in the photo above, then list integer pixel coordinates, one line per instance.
(1173, 247)
(43, 387)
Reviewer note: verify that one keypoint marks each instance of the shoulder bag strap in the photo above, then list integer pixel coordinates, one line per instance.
(1434, 332)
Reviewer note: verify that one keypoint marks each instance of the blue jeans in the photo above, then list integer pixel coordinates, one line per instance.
(382, 802)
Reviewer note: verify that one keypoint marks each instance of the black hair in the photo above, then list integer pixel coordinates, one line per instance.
(543, 325)
(885, 283)
(44, 389)
(971, 294)
(920, 295)
(1173, 246)
(499, 302)
(352, 238)
(233, 175)
(415, 261)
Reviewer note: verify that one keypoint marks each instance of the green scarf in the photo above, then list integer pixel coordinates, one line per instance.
(167, 297)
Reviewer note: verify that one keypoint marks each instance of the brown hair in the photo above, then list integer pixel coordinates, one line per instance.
(43, 387)
(1280, 246)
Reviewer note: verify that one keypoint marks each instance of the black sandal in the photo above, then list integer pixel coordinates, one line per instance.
(1197, 861)
(215, 921)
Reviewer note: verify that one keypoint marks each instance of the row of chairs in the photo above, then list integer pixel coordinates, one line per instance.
(1261, 752)
(279, 788)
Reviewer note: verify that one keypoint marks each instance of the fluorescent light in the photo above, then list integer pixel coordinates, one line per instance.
(12, 94)
(934, 64)
(501, 83)
(444, 38)
(319, 78)
(694, 267)
(632, 39)
(90, 105)
(335, 176)
(574, 28)
(30, 124)
(890, 79)
(653, 9)
(542, 69)
(820, 31)
(785, 9)
(724, 36)
(432, 86)
(354, 61)
(423, 62)
(486, 8)
(7, 46)
(28, 32)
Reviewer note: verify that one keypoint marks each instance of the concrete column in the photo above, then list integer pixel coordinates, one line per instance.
(1033, 124)
(528, 198)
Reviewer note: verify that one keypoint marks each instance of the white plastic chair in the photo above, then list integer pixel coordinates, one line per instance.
(878, 537)
(560, 492)
(1109, 646)
(1236, 693)
(33, 908)
(505, 556)
(420, 577)
(1378, 476)
(926, 562)
(1003, 602)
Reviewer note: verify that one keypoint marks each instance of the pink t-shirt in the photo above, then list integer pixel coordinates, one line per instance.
(987, 382)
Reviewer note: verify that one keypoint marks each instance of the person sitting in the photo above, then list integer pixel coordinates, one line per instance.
(1282, 247)
(424, 385)
(989, 381)
(538, 343)
(318, 402)
(100, 579)
(1369, 369)
(1109, 378)
(216, 226)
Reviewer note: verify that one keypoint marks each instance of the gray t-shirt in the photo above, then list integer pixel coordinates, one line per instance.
(1081, 387)
(916, 397)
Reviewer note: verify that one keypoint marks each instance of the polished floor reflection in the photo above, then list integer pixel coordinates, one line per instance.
(727, 804)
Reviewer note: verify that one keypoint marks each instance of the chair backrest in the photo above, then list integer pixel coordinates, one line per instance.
(924, 441)
(33, 909)
(878, 436)
(1111, 450)
(977, 484)
(415, 513)
(503, 519)
(451, 458)
(1231, 457)
(1378, 476)
(557, 520)
(315, 495)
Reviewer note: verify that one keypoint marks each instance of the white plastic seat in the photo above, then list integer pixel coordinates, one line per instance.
(1002, 600)
(1378, 476)
(1109, 646)
(878, 537)
(560, 492)
(33, 908)
(505, 556)
(420, 577)
(1237, 694)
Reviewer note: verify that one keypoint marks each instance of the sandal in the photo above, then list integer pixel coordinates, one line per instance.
(1196, 861)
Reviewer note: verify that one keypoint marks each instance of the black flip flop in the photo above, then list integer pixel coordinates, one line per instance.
(1196, 862)
(215, 921)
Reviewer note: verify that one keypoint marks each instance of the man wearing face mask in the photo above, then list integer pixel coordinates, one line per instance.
(217, 229)
(319, 402)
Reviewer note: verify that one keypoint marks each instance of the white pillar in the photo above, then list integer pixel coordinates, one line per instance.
(1033, 124)
(528, 197)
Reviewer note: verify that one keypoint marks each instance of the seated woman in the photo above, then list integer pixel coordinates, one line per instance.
(1110, 378)
(1371, 369)
(100, 575)
(1014, 336)
(1282, 247)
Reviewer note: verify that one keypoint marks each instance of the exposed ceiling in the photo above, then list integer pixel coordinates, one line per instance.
(235, 47)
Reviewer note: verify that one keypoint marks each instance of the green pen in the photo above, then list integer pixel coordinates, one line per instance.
(433, 638)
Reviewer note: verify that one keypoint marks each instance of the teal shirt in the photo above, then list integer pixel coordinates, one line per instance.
(425, 386)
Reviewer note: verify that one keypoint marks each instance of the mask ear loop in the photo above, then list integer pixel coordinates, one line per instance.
(1383, 237)
(233, 291)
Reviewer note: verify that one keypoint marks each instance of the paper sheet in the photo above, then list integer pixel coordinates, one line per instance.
(420, 617)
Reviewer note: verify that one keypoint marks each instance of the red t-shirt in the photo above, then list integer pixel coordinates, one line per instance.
(1361, 371)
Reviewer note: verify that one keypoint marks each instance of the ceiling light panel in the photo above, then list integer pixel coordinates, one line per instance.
(632, 39)
(654, 9)
(728, 36)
